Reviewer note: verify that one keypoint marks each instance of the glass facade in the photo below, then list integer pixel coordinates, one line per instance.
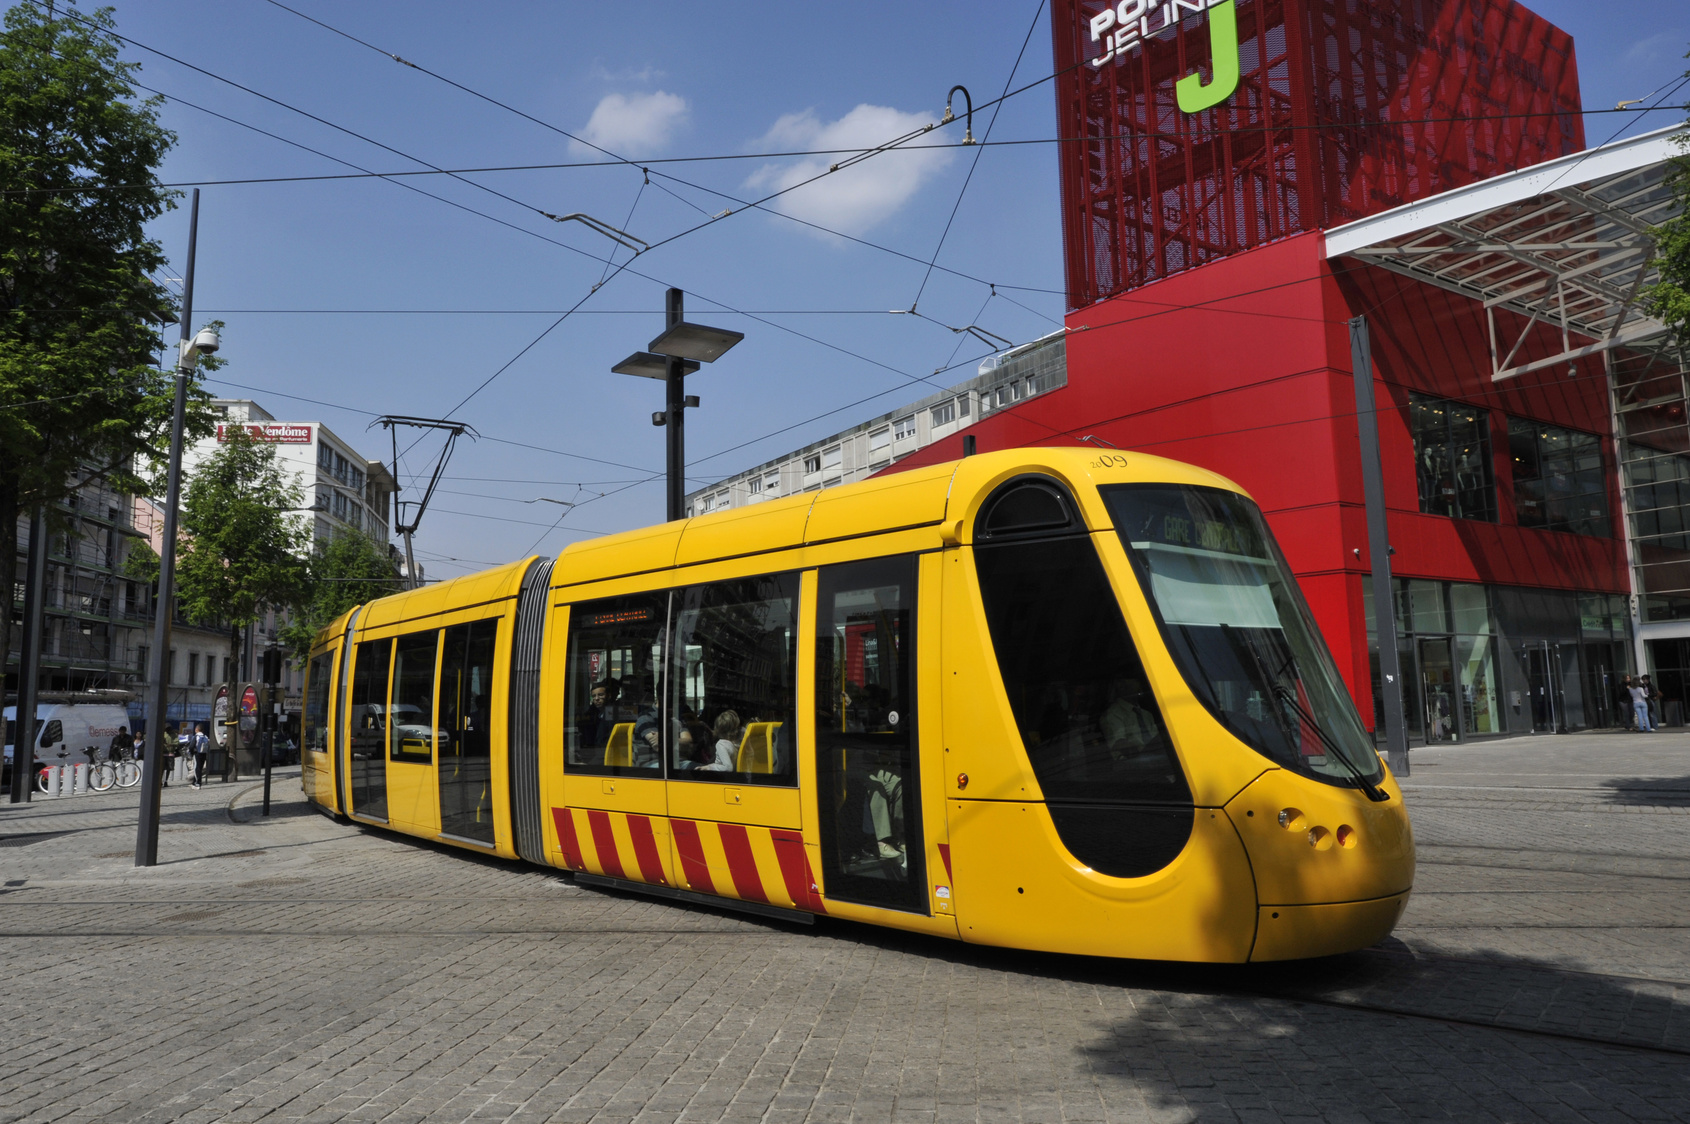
(1452, 458)
(1482, 660)
(1559, 484)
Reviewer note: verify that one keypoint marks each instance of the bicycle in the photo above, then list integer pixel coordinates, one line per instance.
(128, 769)
(102, 775)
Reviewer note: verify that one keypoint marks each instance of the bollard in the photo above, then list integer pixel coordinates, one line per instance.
(53, 780)
(79, 780)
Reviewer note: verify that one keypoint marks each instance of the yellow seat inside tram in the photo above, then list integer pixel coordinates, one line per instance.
(619, 749)
(757, 748)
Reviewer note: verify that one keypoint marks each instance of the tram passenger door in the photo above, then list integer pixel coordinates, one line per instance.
(867, 781)
(366, 771)
(412, 730)
(465, 747)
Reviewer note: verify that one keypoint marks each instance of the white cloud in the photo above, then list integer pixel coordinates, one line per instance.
(635, 124)
(857, 198)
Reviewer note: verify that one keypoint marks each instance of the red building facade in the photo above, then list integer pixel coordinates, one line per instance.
(1209, 325)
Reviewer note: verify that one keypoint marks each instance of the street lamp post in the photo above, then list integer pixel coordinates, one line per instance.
(674, 354)
(188, 352)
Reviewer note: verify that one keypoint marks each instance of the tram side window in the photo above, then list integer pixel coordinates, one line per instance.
(612, 684)
(316, 723)
(736, 656)
(1091, 727)
(410, 728)
(865, 733)
(367, 744)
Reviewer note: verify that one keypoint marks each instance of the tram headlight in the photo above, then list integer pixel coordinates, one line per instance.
(1291, 819)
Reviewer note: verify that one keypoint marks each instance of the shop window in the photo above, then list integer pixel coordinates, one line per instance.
(1452, 458)
(737, 655)
(612, 684)
(1559, 484)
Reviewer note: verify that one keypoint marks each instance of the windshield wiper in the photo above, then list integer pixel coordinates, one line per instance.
(1375, 794)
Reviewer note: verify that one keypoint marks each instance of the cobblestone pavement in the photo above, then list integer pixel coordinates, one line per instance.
(295, 969)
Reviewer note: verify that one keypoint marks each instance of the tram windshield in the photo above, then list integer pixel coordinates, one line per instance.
(1237, 625)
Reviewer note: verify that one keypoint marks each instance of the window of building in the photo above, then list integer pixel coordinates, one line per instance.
(944, 413)
(771, 482)
(613, 680)
(1452, 458)
(812, 463)
(1558, 480)
(723, 501)
(962, 406)
(193, 669)
(325, 457)
(736, 673)
(903, 428)
(879, 439)
(754, 485)
(832, 458)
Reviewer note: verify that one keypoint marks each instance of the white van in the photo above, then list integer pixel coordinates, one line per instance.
(71, 727)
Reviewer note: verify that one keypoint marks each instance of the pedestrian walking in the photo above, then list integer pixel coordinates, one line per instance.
(1653, 696)
(202, 746)
(1640, 706)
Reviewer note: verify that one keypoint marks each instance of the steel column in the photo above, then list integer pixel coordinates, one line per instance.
(1378, 548)
(158, 667)
(29, 658)
(675, 409)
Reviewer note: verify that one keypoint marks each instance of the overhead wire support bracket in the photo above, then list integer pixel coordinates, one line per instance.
(615, 234)
(453, 431)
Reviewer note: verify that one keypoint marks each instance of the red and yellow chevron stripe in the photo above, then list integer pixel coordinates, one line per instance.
(769, 865)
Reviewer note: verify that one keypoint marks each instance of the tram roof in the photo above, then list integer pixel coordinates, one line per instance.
(1567, 243)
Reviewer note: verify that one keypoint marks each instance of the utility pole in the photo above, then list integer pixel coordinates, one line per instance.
(158, 666)
(1378, 548)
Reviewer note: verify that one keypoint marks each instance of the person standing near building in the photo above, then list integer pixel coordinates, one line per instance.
(1640, 706)
(1623, 709)
(119, 743)
(202, 746)
(1653, 696)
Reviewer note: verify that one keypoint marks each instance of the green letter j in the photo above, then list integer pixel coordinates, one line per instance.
(1193, 95)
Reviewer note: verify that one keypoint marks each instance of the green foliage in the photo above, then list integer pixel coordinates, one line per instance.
(1669, 299)
(80, 311)
(141, 564)
(240, 552)
(352, 569)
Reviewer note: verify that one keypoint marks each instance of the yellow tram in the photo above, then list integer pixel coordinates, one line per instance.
(1066, 700)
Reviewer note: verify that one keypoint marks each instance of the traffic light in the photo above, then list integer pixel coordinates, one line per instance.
(272, 665)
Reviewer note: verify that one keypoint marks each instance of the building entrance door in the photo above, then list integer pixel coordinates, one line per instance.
(1602, 659)
(1542, 663)
(1438, 691)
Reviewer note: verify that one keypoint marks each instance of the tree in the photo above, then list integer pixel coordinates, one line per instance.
(352, 569)
(241, 552)
(80, 312)
(1669, 299)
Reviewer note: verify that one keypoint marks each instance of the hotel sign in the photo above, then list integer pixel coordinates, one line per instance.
(1121, 30)
(274, 434)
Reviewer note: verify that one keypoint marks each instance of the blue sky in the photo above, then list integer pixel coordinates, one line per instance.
(369, 297)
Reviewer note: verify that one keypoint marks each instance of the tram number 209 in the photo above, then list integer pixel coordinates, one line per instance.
(1110, 460)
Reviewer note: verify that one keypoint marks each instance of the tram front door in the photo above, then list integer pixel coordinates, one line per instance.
(867, 782)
